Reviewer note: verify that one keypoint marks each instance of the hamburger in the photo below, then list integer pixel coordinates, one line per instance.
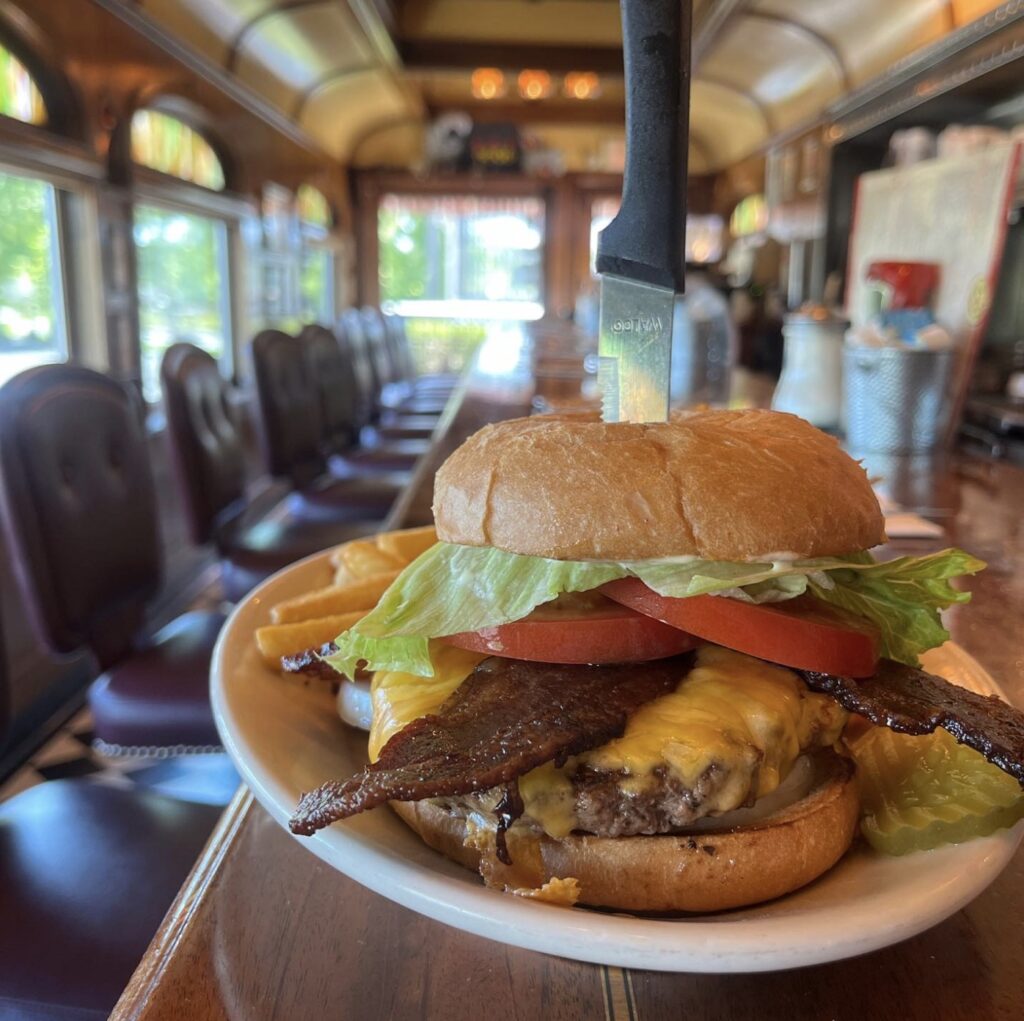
(624, 675)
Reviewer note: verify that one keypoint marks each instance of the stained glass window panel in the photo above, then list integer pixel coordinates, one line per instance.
(20, 98)
(164, 143)
(314, 210)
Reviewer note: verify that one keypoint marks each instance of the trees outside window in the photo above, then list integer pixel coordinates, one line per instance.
(459, 256)
(183, 286)
(32, 319)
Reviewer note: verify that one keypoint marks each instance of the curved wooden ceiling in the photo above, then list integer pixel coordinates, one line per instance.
(362, 77)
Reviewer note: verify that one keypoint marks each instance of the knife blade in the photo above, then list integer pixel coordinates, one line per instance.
(641, 253)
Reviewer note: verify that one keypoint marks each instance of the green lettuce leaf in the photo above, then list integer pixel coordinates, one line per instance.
(902, 598)
(453, 588)
(457, 588)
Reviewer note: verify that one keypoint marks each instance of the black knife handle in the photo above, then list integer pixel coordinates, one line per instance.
(647, 239)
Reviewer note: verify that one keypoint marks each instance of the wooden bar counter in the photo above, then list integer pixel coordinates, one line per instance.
(264, 930)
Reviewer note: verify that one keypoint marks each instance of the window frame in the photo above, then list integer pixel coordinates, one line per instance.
(402, 306)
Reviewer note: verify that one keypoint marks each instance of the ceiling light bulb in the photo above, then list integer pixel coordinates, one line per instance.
(582, 85)
(487, 83)
(534, 84)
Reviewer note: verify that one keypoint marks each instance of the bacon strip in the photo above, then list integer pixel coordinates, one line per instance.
(506, 718)
(911, 701)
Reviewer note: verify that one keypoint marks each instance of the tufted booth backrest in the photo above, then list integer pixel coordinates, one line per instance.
(331, 374)
(6, 702)
(80, 506)
(289, 407)
(352, 341)
(206, 445)
(377, 345)
(398, 346)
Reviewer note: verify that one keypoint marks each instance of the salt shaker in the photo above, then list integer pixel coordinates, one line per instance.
(811, 384)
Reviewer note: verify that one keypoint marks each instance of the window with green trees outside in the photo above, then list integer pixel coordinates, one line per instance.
(32, 320)
(183, 286)
(164, 143)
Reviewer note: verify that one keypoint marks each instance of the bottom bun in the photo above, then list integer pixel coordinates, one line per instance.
(707, 870)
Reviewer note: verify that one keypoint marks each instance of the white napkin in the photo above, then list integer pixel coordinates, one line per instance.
(911, 526)
(901, 524)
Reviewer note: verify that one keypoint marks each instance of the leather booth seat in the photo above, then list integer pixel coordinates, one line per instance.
(87, 873)
(341, 377)
(162, 691)
(291, 430)
(81, 517)
(409, 391)
(252, 551)
(362, 337)
(208, 454)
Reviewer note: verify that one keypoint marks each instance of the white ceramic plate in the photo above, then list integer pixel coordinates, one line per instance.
(286, 738)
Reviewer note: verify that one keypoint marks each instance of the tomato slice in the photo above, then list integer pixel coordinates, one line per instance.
(804, 633)
(586, 628)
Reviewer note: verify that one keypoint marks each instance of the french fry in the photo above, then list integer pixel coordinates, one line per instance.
(407, 544)
(333, 600)
(335, 558)
(277, 640)
(364, 558)
(342, 576)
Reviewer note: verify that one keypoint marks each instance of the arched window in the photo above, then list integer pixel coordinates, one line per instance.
(20, 97)
(164, 143)
(750, 217)
(313, 208)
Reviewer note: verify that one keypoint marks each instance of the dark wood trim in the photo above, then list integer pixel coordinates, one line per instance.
(559, 297)
(455, 184)
(446, 55)
(367, 189)
(36, 148)
(543, 111)
(152, 186)
(31, 45)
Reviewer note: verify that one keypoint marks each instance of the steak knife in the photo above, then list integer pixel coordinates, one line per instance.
(641, 253)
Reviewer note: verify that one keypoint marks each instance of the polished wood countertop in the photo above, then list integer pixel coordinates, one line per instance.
(264, 931)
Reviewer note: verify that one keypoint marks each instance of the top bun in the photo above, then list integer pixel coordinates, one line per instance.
(720, 485)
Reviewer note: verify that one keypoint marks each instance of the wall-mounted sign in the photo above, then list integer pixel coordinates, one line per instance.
(496, 148)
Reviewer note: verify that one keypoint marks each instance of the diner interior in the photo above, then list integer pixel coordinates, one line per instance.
(265, 263)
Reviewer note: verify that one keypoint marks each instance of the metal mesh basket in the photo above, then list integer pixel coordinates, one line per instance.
(895, 398)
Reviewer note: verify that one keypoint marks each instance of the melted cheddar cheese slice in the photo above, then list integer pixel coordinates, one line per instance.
(399, 698)
(747, 718)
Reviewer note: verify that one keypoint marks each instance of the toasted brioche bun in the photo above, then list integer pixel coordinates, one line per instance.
(720, 485)
(708, 871)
